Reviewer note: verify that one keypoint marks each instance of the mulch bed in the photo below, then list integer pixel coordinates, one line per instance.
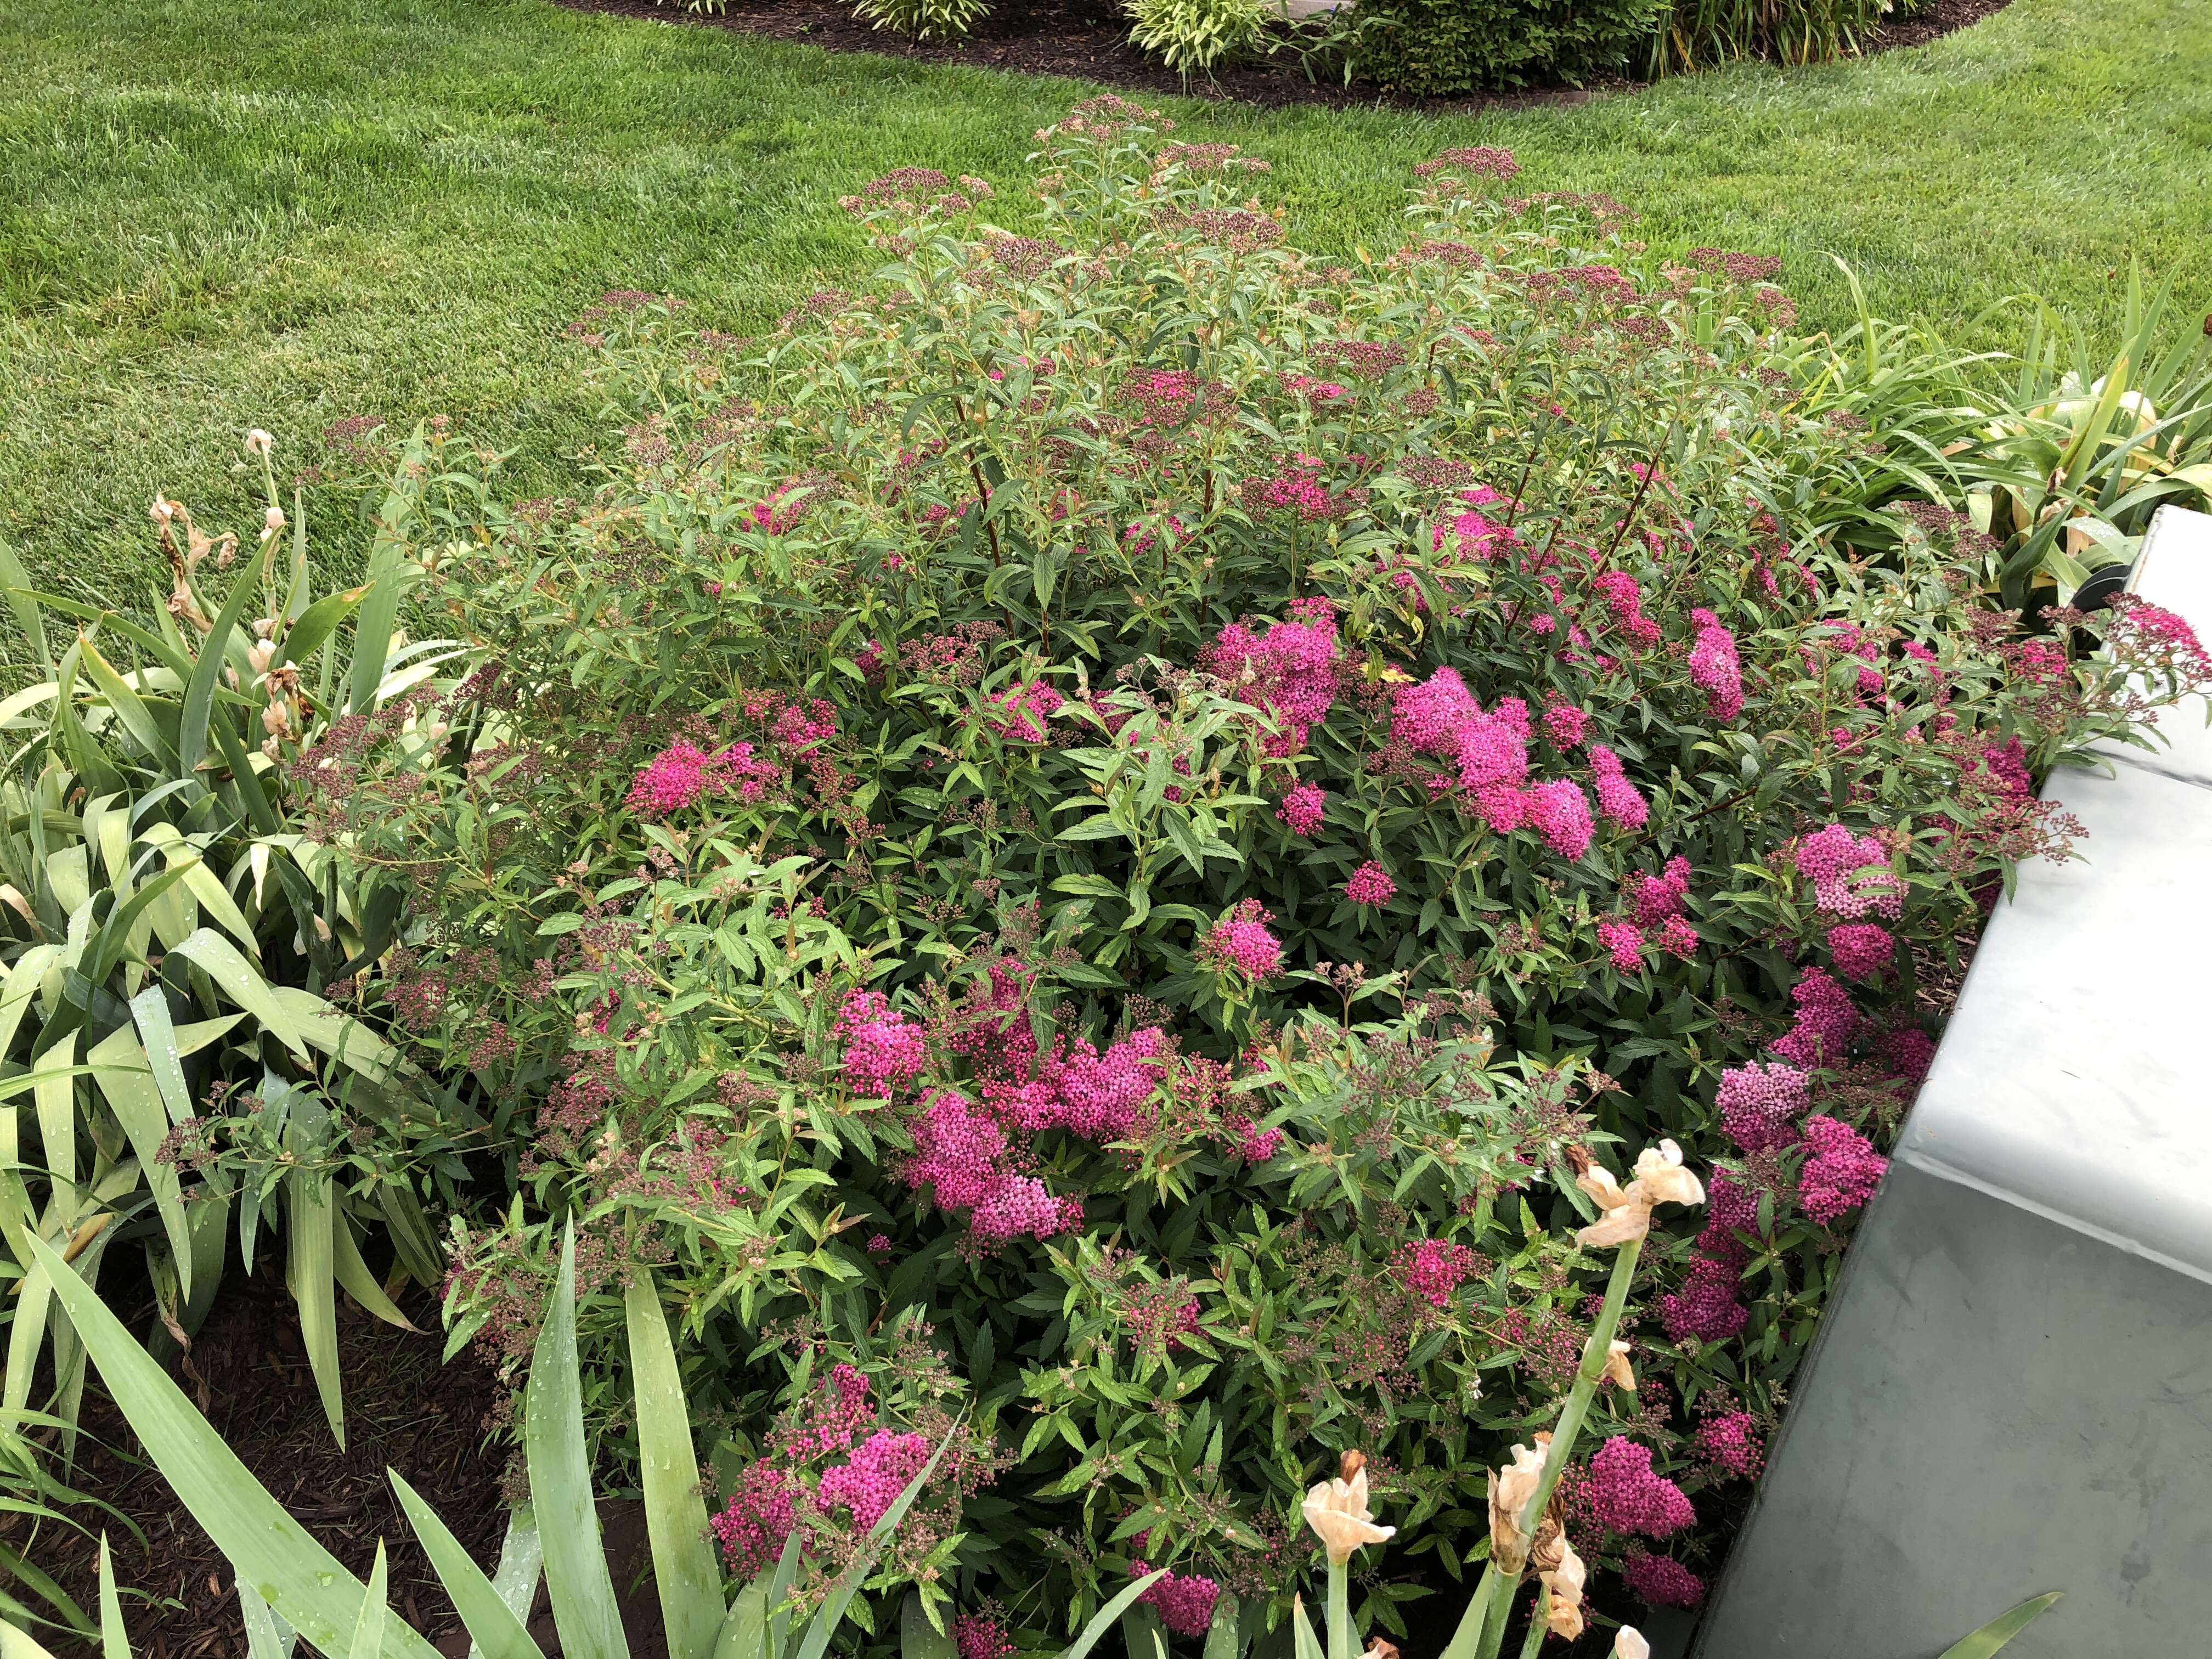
(1089, 40)
(248, 1372)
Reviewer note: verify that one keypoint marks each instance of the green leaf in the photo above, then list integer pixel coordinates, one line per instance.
(114, 1640)
(267, 1636)
(310, 1266)
(157, 1037)
(521, 1564)
(28, 617)
(297, 1576)
(368, 1628)
(2003, 1628)
(305, 637)
(744, 1634)
(128, 1086)
(918, 1637)
(129, 707)
(1107, 1616)
(1223, 1637)
(495, 1629)
(1304, 1644)
(684, 1570)
(372, 645)
(361, 1284)
(238, 978)
(199, 691)
(584, 1611)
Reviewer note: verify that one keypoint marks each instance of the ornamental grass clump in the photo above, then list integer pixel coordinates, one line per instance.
(1094, 833)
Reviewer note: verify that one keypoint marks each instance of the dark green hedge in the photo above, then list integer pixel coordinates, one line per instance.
(1450, 46)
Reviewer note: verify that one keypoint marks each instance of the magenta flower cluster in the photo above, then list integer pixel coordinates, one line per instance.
(885, 1052)
(1661, 1581)
(1020, 712)
(1851, 874)
(1304, 808)
(1760, 1103)
(1863, 950)
(1626, 1496)
(870, 1481)
(1433, 1268)
(1371, 884)
(1714, 668)
(1184, 1602)
(1842, 1173)
(1292, 670)
(1241, 942)
(978, 1636)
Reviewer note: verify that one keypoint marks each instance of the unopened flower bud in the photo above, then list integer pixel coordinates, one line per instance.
(273, 521)
(258, 654)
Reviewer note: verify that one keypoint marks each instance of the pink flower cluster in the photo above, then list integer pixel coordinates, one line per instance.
(1564, 724)
(1250, 1142)
(1863, 950)
(1826, 1022)
(1241, 942)
(1663, 1580)
(1183, 1600)
(964, 1156)
(1626, 1496)
(1732, 1444)
(1304, 808)
(870, 1481)
(1660, 897)
(1371, 884)
(682, 774)
(1714, 668)
(1293, 671)
(760, 1515)
(1706, 1308)
(1624, 942)
(1472, 536)
(1020, 712)
(1851, 874)
(1434, 1267)
(1617, 798)
(1842, 1173)
(1624, 599)
(978, 1635)
(884, 1051)
(1760, 1103)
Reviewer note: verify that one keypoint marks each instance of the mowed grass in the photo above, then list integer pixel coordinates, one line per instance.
(278, 213)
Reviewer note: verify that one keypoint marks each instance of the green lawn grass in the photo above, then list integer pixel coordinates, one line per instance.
(280, 212)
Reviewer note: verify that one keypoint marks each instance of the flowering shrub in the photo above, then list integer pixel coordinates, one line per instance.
(1080, 838)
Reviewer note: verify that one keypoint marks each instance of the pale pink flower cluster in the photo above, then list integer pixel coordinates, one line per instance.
(1293, 671)
(1184, 1602)
(1020, 712)
(870, 1481)
(1842, 1173)
(1240, 941)
(1760, 1103)
(1714, 668)
(1304, 808)
(1371, 884)
(1433, 1268)
(1851, 874)
(885, 1052)
(1626, 1496)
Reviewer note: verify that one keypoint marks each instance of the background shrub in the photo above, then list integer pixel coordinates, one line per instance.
(1072, 844)
(924, 20)
(1446, 47)
(1189, 35)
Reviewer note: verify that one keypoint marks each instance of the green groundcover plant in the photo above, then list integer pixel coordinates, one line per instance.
(1076, 849)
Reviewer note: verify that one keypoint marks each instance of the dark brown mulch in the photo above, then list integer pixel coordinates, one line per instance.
(248, 1372)
(1089, 40)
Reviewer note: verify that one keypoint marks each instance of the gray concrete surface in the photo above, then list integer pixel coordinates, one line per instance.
(2012, 1390)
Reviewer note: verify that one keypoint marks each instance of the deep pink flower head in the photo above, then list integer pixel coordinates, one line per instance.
(674, 779)
(759, 1517)
(1371, 884)
(1851, 874)
(1020, 712)
(1102, 1097)
(1434, 1267)
(1252, 1143)
(1863, 950)
(1625, 601)
(1908, 1053)
(1305, 809)
(1560, 812)
(1714, 668)
(1617, 798)
(883, 1050)
(1732, 1444)
(1731, 1208)
(1240, 941)
(1661, 1581)
(1826, 1022)
(978, 1635)
(1760, 1104)
(1183, 1600)
(1624, 942)
(1293, 671)
(958, 1150)
(1705, 1309)
(871, 1480)
(1429, 714)
(1678, 938)
(1626, 1496)
(1564, 724)
(1842, 1173)
(1657, 897)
